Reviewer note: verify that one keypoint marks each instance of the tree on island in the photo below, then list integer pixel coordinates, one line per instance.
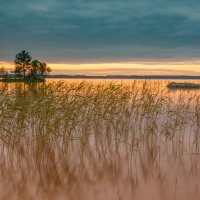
(39, 70)
(29, 70)
(35, 68)
(22, 63)
(44, 70)
(3, 72)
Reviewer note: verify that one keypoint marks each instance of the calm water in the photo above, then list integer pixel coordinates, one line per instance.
(169, 177)
(161, 84)
(148, 149)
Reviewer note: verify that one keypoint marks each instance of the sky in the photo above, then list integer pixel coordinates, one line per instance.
(99, 37)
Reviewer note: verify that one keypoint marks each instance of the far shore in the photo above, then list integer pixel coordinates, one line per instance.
(164, 77)
(142, 77)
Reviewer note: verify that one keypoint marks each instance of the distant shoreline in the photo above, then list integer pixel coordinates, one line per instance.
(166, 77)
(142, 77)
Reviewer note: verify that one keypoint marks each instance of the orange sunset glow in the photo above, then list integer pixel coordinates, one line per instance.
(180, 67)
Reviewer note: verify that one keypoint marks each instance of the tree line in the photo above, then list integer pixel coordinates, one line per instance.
(28, 69)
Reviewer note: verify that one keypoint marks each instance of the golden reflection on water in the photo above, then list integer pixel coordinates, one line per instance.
(108, 142)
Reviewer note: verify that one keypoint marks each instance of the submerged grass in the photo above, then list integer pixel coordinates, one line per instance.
(98, 141)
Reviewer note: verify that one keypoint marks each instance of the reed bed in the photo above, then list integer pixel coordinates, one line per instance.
(87, 140)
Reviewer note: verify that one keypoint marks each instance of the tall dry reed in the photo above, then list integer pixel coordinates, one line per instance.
(99, 141)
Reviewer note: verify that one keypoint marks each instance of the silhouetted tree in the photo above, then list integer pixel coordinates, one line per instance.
(35, 68)
(31, 71)
(22, 63)
(3, 72)
(44, 70)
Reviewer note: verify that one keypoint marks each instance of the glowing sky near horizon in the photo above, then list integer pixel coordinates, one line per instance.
(99, 37)
(124, 68)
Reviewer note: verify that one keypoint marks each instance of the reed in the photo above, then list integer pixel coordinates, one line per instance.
(86, 140)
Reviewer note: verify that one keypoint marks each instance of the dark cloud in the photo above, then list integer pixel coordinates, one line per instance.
(79, 30)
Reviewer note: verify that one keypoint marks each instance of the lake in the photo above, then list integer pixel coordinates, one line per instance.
(99, 139)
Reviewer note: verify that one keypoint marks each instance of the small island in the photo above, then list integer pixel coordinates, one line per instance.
(174, 85)
(27, 70)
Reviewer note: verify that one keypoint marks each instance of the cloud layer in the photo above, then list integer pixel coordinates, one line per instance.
(96, 30)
